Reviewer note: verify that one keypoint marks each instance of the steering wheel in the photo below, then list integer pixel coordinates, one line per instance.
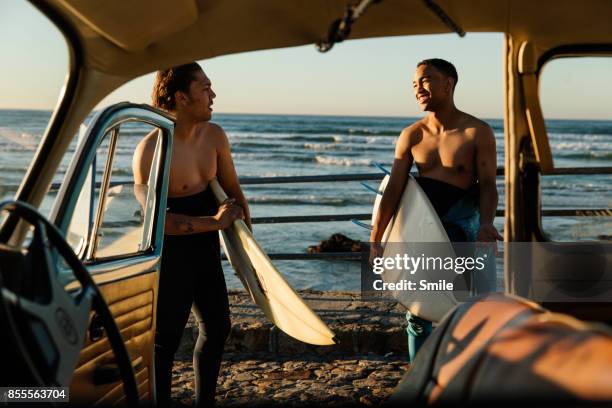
(47, 323)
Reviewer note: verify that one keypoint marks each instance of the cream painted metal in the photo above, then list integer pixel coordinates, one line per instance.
(269, 290)
(170, 33)
(415, 221)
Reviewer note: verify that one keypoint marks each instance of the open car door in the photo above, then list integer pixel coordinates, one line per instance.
(116, 228)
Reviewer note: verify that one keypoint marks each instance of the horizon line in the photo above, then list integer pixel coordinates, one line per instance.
(319, 114)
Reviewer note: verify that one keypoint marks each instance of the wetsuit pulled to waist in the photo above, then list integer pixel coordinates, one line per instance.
(443, 196)
(201, 204)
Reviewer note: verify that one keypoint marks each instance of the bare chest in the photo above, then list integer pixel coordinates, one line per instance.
(453, 153)
(192, 167)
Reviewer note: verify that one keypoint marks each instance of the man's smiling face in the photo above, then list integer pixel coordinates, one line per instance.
(431, 87)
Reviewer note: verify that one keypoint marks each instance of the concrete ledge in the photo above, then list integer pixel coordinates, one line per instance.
(362, 326)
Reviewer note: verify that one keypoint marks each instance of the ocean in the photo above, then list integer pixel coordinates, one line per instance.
(292, 145)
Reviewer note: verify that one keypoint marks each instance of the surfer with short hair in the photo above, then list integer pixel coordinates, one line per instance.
(191, 276)
(456, 158)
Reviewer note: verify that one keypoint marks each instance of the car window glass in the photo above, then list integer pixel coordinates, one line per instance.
(122, 228)
(83, 214)
(579, 125)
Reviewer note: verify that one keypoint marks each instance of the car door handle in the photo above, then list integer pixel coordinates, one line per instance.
(109, 373)
(96, 328)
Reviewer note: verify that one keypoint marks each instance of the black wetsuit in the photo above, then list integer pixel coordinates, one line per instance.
(191, 279)
(443, 196)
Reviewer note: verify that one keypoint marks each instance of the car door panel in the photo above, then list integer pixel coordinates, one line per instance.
(132, 302)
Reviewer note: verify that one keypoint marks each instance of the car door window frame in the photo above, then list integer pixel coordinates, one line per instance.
(107, 120)
(93, 235)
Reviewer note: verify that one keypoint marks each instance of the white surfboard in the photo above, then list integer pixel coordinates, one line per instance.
(269, 290)
(415, 221)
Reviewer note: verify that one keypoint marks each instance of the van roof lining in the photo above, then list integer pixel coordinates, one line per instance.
(135, 24)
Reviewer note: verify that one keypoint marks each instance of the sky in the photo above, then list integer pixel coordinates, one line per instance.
(360, 77)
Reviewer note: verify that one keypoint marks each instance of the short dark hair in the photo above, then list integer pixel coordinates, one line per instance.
(443, 66)
(170, 80)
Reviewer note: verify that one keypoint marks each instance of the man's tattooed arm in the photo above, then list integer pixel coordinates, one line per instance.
(184, 226)
(179, 224)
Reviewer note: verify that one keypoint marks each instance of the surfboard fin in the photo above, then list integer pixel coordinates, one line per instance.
(370, 188)
(362, 224)
(381, 168)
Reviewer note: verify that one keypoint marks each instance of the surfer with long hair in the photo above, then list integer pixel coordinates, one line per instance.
(191, 276)
(456, 158)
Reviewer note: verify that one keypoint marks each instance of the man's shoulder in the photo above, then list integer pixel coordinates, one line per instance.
(413, 130)
(212, 133)
(474, 123)
(478, 130)
(148, 142)
(213, 127)
(211, 130)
